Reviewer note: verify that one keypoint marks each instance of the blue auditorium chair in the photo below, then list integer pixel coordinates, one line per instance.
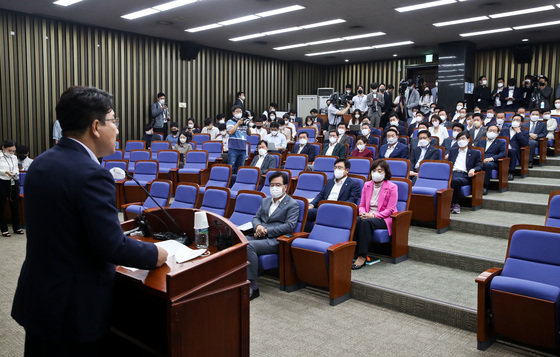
(136, 155)
(186, 196)
(145, 172)
(253, 140)
(323, 257)
(401, 223)
(360, 166)
(214, 149)
(216, 200)
(553, 210)
(168, 164)
(158, 145)
(432, 194)
(373, 148)
(200, 138)
(109, 164)
(399, 167)
(247, 179)
(325, 164)
(309, 184)
(521, 301)
(220, 175)
(296, 163)
(266, 186)
(310, 134)
(133, 145)
(247, 204)
(117, 155)
(159, 189)
(196, 168)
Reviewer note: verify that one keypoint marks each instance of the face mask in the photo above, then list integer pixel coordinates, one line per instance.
(237, 115)
(338, 174)
(174, 132)
(149, 132)
(419, 118)
(443, 117)
(303, 141)
(534, 118)
(477, 111)
(500, 84)
(252, 125)
(222, 121)
(557, 105)
(250, 118)
(191, 126)
(459, 107)
(361, 147)
(391, 141)
(262, 152)
(527, 81)
(382, 90)
(374, 91)
(21, 157)
(492, 135)
(8, 155)
(365, 132)
(276, 192)
(242, 97)
(182, 140)
(377, 177)
(462, 143)
(357, 116)
(292, 117)
(341, 131)
(541, 84)
(435, 124)
(432, 109)
(515, 124)
(477, 124)
(223, 132)
(469, 123)
(360, 91)
(490, 115)
(332, 139)
(272, 117)
(455, 133)
(546, 116)
(462, 115)
(426, 92)
(162, 101)
(436, 84)
(394, 122)
(423, 143)
(484, 82)
(500, 121)
(273, 133)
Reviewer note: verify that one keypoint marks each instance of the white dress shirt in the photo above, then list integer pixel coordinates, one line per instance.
(360, 103)
(390, 149)
(461, 161)
(422, 154)
(330, 149)
(8, 164)
(300, 148)
(510, 95)
(274, 205)
(260, 161)
(214, 132)
(335, 191)
(488, 143)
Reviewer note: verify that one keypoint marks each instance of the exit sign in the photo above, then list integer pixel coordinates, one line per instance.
(429, 58)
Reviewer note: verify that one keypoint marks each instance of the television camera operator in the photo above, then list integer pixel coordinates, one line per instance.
(337, 108)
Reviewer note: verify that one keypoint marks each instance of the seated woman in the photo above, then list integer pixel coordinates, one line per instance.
(378, 203)
(361, 149)
(310, 124)
(355, 120)
(182, 146)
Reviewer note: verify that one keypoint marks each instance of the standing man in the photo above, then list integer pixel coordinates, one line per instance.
(237, 144)
(482, 94)
(240, 101)
(435, 93)
(412, 99)
(375, 101)
(160, 114)
(335, 114)
(64, 292)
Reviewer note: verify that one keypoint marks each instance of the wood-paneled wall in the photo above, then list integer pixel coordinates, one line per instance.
(42, 57)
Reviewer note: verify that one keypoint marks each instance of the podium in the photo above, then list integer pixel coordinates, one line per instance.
(197, 308)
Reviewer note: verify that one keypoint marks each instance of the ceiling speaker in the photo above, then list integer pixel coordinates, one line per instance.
(189, 50)
(522, 54)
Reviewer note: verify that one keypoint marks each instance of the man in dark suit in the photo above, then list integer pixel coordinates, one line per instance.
(240, 101)
(482, 94)
(451, 142)
(64, 291)
(493, 151)
(413, 123)
(160, 114)
(263, 160)
(478, 131)
(339, 188)
(304, 147)
(295, 119)
(424, 151)
(316, 119)
(277, 215)
(511, 97)
(394, 121)
(517, 139)
(393, 149)
(537, 130)
(466, 162)
(333, 148)
(342, 137)
(497, 93)
(366, 131)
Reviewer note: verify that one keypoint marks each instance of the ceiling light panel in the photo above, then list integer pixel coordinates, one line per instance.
(242, 19)
(365, 48)
(66, 2)
(289, 29)
(330, 40)
(542, 24)
(487, 32)
(173, 4)
(141, 13)
(425, 5)
(324, 23)
(522, 12)
(461, 21)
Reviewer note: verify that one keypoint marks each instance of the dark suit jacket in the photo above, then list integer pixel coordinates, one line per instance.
(496, 150)
(432, 153)
(447, 143)
(401, 128)
(268, 163)
(481, 133)
(401, 151)
(350, 192)
(339, 150)
(517, 97)
(240, 103)
(473, 158)
(283, 220)
(482, 97)
(494, 92)
(345, 139)
(518, 140)
(308, 150)
(73, 243)
(540, 128)
(373, 140)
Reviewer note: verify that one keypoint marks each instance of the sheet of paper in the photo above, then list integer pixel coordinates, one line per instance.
(181, 252)
(246, 226)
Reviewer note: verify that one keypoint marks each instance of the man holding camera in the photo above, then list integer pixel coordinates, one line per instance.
(541, 94)
(335, 114)
(237, 143)
(375, 101)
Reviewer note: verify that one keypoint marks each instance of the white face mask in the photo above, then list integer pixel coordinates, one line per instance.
(377, 176)
(477, 124)
(191, 126)
(303, 141)
(361, 147)
(357, 116)
(149, 132)
(374, 91)
(455, 133)
(365, 132)
(237, 115)
(182, 140)
(223, 132)
(500, 84)
(515, 124)
(435, 123)
(462, 115)
(395, 122)
(484, 82)
(262, 151)
(332, 139)
(490, 115)
(462, 143)
(341, 131)
(477, 111)
(272, 117)
(276, 192)
(436, 83)
(292, 117)
(443, 117)
(546, 116)
(492, 135)
(459, 107)
(8, 155)
(557, 105)
(338, 173)
(534, 118)
(391, 141)
(162, 101)
(423, 143)
(500, 121)
(222, 121)
(250, 118)
(348, 91)
(273, 132)
(242, 97)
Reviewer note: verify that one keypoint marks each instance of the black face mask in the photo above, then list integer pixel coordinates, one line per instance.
(174, 132)
(360, 91)
(541, 84)
(21, 157)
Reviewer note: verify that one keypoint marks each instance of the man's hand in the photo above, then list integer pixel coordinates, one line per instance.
(533, 136)
(161, 256)
(489, 159)
(310, 206)
(412, 173)
(260, 231)
(471, 172)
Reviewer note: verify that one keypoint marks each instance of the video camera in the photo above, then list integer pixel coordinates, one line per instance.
(403, 85)
(339, 101)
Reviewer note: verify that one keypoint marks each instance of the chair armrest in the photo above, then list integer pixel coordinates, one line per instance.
(341, 246)
(444, 197)
(289, 240)
(399, 235)
(286, 271)
(153, 209)
(401, 215)
(128, 225)
(130, 204)
(477, 187)
(484, 329)
(485, 277)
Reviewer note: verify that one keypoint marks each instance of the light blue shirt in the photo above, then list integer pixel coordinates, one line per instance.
(57, 131)
(279, 141)
(91, 154)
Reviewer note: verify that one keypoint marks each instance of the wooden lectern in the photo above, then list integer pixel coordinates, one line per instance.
(197, 308)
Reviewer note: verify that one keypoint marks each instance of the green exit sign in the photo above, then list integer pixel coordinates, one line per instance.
(430, 58)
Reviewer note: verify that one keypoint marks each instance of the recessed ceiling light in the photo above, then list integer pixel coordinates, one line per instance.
(425, 5)
(241, 19)
(346, 60)
(394, 55)
(173, 4)
(330, 40)
(542, 24)
(289, 29)
(290, 46)
(462, 21)
(141, 13)
(478, 33)
(522, 12)
(366, 35)
(66, 2)
(525, 40)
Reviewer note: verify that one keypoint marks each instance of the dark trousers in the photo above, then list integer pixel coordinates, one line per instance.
(533, 144)
(10, 193)
(515, 155)
(35, 346)
(236, 158)
(488, 167)
(255, 248)
(459, 180)
(364, 231)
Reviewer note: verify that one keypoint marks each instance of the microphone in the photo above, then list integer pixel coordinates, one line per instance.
(120, 174)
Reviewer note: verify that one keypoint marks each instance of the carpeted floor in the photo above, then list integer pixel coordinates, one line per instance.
(301, 323)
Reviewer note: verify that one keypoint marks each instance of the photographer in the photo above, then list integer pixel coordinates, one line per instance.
(335, 113)
(527, 89)
(541, 94)
(237, 143)
(375, 101)
(412, 98)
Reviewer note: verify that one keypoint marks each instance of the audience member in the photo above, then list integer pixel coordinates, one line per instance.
(511, 96)
(482, 94)
(342, 137)
(333, 148)
(517, 139)
(537, 130)
(424, 151)
(500, 120)
(396, 123)
(426, 101)
(191, 129)
(478, 131)
(275, 139)
(310, 124)
(451, 141)
(294, 119)
(287, 129)
(149, 135)
(263, 160)
(412, 98)
(182, 146)
(237, 140)
(493, 151)
(497, 93)
(172, 138)
(360, 101)
(361, 149)
(24, 161)
(223, 136)
(466, 162)
(9, 188)
(489, 117)
(259, 129)
(438, 130)
(366, 132)
(393, 148)
(210, 129)
(551, 124)
(304, 147)
(160, 114)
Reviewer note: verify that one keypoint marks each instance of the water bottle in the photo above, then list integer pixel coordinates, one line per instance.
(201, 238)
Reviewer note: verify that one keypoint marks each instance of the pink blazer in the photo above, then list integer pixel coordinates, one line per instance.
(386, 204)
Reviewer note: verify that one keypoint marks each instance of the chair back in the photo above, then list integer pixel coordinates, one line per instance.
(372, 148)
(214, 149)
(441, 150)
(360, 166)
(216, 200)
(296, 163)
(335, 222)
(146, 170)
(309, 184)
(117, 155)
(196, 159)
(376, 139)
(220, 176)
(505, 141)
(117, 144)
(359, 179)
(310, 134)
(156, 146)
(317, 148)
(404, 187)
(247, 204)
(186, 196)
(161, 191)
(553, 210)
(403, 139)
(248, 178)
(266, 187)
(253, 140)
(137, 155)
(303, 209)
(325, 164)
(277, 157)
(168, 159)
(434, 174)
(133, 145)
(200, 138)
(399, 167)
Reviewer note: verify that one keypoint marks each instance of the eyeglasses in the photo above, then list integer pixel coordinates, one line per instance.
(115, 121)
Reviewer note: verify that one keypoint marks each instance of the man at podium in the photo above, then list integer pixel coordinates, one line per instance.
(74, 238)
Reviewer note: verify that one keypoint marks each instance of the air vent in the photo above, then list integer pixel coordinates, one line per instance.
(260, 42)
(355, 27)
(164, 22)
(490, 4)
